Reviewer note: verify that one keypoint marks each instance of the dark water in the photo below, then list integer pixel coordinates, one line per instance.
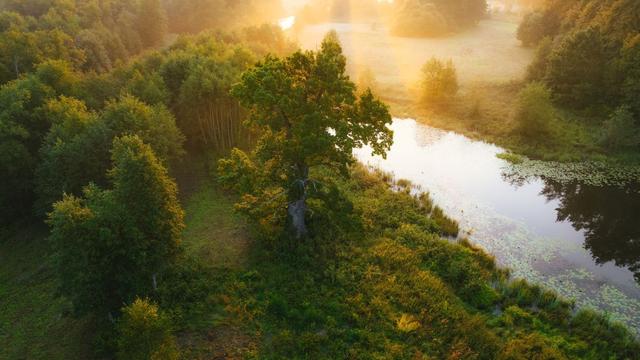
(582, 241)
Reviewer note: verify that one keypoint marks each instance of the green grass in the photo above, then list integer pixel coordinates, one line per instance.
(394, 288)
(215, 233)
(34, 322)
(485, 111)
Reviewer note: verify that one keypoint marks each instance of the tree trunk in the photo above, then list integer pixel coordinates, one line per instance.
(15, 66)
(298, 208)
(297, 211)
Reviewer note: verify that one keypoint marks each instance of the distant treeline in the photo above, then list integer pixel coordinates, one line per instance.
(588, 53)
(90, 35)
(193, 16)
(96, 35)
(436, 17)
(406, 17)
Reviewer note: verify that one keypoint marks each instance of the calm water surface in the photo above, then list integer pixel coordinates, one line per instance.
(582, 241)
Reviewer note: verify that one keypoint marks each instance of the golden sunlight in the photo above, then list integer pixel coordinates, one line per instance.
(287, 23)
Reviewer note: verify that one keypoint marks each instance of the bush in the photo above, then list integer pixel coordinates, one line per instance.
(605, 338)
(620, 130)
(144, 333)
(367, 81)
(535, 112)
(439, 82)
(533, 346)
(535, 26)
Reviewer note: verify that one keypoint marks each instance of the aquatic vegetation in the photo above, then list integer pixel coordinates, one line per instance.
(596, 173)
(510, 157)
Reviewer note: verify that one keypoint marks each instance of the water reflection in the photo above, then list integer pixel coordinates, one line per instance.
(609, 218)
(581, 241)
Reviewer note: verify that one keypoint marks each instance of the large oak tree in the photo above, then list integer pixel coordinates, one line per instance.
(307, 114)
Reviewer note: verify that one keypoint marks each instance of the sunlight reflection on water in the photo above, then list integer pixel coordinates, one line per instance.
(516, 223)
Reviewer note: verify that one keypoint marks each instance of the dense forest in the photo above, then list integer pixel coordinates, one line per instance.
(588, 57)
(140, 139)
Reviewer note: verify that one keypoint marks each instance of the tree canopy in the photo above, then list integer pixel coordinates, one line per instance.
(112, 244)
(307, 114)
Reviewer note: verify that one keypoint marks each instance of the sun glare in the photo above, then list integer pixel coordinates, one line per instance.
(287, 23)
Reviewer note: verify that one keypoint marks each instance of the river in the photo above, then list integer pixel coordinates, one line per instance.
(581, 241)
(575, 239)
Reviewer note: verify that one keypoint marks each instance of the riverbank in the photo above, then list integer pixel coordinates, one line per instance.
(485, 111)
(391, 285)
(576, 239)
(490, 64)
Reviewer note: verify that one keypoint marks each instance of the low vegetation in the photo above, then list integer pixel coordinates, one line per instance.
(439, 84)
(535, 113)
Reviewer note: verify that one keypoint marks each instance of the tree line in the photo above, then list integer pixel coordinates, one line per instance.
(90, 35)
(418, 18)
(588, 57)
(91, 153)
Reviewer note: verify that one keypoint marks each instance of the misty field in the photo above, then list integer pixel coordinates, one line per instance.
(489, 52)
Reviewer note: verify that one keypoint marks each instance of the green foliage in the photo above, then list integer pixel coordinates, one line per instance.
(186, 85)
(536, 26)
(66, 166)
(577, 70)
(23, 126)
(590, 60)
(537, 70)
(111, 244)
(75, 152)
(620, 130)
(306, 113)
(91, 35)
(396, 290)
(155, 125)
(21, 51)
(193, 16)
(630, 66)
(531, 347)
(439, 83)
(144, 333)
(152, 23)
(535, 113)
(33, 319)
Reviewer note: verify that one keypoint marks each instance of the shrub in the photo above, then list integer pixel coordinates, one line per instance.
(535, 26)
(535, 112)
(620, 130)
(439, 82)
(447, 226)
(367, 80)
(606, 338)
(533, 346)
(144, 333)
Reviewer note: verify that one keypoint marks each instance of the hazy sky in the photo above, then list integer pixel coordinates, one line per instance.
(291, 5)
